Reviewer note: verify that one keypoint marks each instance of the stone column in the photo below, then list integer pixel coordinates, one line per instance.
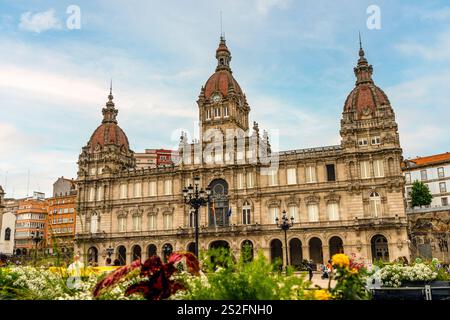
(305, 252)
(326, 254)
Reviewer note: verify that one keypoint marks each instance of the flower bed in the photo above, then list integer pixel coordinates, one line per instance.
(218, 276)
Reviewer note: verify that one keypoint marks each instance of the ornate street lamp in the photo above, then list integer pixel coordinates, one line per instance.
(285, 225)
(109, 251)
(36, 237)
(196, 197)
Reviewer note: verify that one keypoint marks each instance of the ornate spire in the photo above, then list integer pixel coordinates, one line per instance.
(223, 55)
(110, 112)
(363, 71)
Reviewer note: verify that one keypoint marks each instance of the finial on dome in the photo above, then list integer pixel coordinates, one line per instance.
(110, 96)
(110, 112)
(223, 55)
(363, 71)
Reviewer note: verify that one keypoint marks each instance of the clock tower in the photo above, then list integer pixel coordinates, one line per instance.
(222, 104)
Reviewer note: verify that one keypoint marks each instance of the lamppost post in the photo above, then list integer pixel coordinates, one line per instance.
(196, 197)
(36, 237)
(285, 225)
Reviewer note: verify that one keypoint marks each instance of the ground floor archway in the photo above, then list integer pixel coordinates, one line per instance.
(136, 252)
(295, 252)
(121, 256)
(315, 250)
(380, 248)
(336, 246)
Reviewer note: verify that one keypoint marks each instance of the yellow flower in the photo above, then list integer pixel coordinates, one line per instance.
(341, 260)
(322, 295)
(354, 271)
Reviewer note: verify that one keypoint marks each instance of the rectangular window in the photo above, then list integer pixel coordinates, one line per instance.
(444, 201)
(442, 187)
(273, 214)
(138, 190)
(423, 175)
(310, 174)
(362, 142)
(331, 174)
(440, 173)
(313, 212)
(408, 192)
(273, 177)
(167, 221)
(123, 191)
(378, 168)
(408, 177)
(365, 170)
(249, 179)
(333, 211)
(91, 194)
(99, 193)
(240, 155)
(152, 190)
(225, 112)
(122, 225)
(293, 212)
(291, 176)
(152, 222)
(240, 180)
(168, 187)
(136, 223)
(375, 140)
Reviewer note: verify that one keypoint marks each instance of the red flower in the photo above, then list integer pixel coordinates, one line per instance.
(158, 286)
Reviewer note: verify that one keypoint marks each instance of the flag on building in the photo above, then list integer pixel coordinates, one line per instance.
(213, 212)
(229, 212)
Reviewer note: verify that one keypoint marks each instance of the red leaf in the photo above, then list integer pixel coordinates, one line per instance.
(115, 277)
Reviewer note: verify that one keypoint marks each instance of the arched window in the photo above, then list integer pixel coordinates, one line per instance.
(218, 206)
(315, 250)
(375, 204)
(276, 251)
(246, 213)
(295, 252)
(151, 250)
(380, 249)
(336, 246)
(122, 255)
(92, 255)
(191, 247)
(167, 250)
(7, 234)
(136, 250)
(247, 250)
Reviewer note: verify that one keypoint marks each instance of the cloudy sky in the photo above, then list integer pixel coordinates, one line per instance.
(293, 59)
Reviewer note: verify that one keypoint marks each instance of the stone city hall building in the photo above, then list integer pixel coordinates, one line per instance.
(344, 198)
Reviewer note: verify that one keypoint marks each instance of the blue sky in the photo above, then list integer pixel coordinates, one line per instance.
(293, 59)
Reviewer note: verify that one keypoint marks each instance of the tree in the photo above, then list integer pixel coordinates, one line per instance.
(420, 194)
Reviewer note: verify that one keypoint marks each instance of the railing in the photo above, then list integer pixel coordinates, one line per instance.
(298, 226)
(426, 292)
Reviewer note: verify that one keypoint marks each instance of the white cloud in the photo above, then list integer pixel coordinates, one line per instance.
(436, 15)
(263, 6)
(439, 50)
(39, 22)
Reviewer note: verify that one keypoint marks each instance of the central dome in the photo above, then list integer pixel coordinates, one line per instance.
(106, 134)
(366, 97)
(221, 81)
(109, 132)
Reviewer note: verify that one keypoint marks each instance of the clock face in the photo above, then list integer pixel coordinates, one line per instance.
(216, 98)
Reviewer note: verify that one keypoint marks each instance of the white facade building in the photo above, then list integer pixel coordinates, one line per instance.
(7, 229)
(434, 171)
